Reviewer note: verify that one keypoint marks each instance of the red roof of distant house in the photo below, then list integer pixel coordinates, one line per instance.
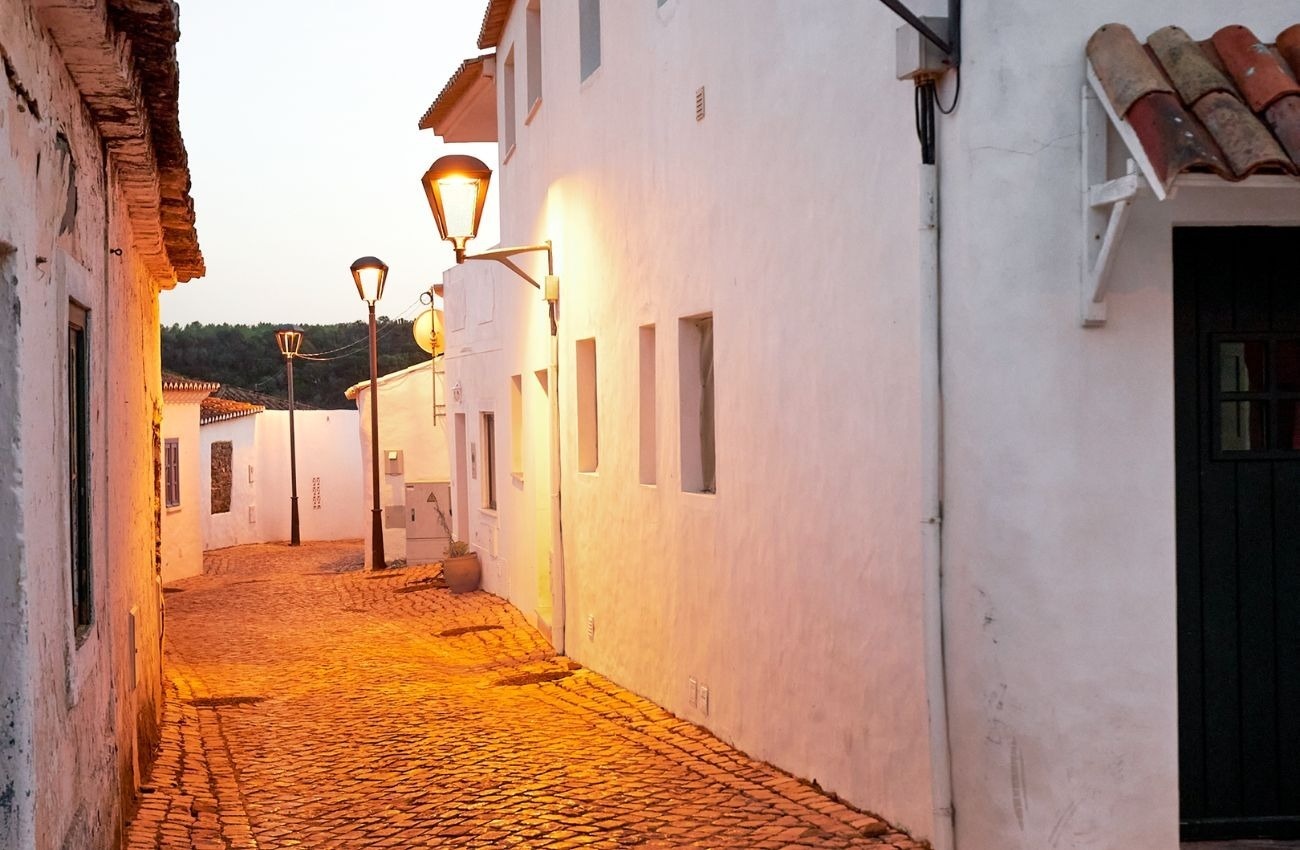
(213, 409)
(1229, 105)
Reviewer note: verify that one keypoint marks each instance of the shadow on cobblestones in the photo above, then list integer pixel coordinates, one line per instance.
(311, 704)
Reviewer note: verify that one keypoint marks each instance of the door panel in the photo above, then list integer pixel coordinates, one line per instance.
(1237, 394)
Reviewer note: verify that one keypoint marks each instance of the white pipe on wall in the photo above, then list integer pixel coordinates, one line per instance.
(932, 510)
(557, 533)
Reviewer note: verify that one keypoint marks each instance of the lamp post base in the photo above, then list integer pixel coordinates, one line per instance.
(294, 539)
(377, 540)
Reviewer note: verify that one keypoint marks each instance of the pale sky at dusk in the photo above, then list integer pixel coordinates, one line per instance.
(300, 121)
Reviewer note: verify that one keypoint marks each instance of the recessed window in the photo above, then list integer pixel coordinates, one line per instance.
(533, 24)
(489, 438)
(222, 467)
(589, 35)
(508, 104)
(647, 413)
(1257, 396)
(588, 421)
(78, 390)
(517, 426)
(172, 472)
(695, 338)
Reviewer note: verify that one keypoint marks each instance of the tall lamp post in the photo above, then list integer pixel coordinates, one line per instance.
(289, 341)
(456, 187)
(369, 274)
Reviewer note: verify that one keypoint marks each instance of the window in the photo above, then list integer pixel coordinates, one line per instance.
(79, 471)
(172, 472)
(1257, 395)
(517, 426)
(588, 426)
(534, 57)
(649, 454)
(508, 105)
(589, 35)
(489, 461)
(222, 470)
(695, 337)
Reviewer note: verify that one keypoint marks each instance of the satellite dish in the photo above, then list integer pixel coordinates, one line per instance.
(428, 333)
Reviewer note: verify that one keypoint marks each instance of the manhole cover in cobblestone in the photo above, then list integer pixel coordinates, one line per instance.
(221, 702)
(533, 678)
(465, 630)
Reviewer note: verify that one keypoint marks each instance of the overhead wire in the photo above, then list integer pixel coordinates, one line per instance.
(321, 356)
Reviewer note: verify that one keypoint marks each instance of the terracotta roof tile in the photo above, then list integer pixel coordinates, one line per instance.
(1125, 69)
(1288, 46)
(213, 409)
(270, 402)
(494, 21)
(1257, 72)
(459, 92)
(1233, 108)
(1192, 72)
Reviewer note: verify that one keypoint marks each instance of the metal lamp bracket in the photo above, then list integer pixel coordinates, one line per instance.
(504, 256)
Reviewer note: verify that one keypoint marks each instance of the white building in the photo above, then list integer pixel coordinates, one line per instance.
(179, 488)
(940, 548)
(245, 476)
(95, 219)
(412, 451)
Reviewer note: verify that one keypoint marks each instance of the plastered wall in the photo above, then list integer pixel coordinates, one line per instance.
(84, 711)
(182, 538)
(406, 424)
(789, 213)
(1059, 495)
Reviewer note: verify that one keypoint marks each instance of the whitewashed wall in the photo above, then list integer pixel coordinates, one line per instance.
(326, 445)
(406, 424)
(789, 212)
(182, 525)
(80, 719)
(237, 526)
(1059, 509)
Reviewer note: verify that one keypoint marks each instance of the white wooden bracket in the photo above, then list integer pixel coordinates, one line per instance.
(1106, 205)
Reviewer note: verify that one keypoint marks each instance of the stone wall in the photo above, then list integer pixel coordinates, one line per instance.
(222, 453)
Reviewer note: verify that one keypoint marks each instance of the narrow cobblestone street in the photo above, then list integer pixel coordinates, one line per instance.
(312, 704)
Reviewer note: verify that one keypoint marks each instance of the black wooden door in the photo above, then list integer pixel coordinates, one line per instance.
(1237, 413)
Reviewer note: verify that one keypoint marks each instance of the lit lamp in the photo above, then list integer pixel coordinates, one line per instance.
(289, 341)
(456, 187)
(369, 274)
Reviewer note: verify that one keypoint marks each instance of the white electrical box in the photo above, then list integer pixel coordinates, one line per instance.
(917, 56)
(393, 462)
(426, 540)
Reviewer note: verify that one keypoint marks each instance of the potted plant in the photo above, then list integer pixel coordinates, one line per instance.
(460, 568)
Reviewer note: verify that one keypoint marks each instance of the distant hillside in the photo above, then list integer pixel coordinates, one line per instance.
(246, 356)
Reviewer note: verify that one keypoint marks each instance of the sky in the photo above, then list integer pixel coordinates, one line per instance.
(300, 118)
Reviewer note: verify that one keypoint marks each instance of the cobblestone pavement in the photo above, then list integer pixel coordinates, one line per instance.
(315, 705)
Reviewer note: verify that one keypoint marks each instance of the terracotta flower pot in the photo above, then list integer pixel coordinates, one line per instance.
(462, 572)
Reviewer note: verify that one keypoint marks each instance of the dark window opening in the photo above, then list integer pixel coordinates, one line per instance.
(79, 472)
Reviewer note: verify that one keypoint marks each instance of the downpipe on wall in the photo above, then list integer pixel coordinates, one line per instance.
(936, 695)
(557, 526)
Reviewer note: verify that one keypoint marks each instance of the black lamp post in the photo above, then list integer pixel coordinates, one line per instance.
(289, 340)
(369, 274)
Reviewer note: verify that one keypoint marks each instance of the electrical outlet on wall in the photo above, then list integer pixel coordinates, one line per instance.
(692, 691)
(704, 700)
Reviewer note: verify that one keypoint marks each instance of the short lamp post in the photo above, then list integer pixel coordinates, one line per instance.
(456, 187)
(289, 341)
(369, 274)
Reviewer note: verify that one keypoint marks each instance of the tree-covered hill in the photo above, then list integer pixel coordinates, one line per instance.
(246, 356)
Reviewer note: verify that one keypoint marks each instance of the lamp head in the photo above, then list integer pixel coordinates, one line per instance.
(369, 274)
(456, 186)
(289, 341)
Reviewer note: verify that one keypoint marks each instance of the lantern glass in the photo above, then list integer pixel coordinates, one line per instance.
(289, 341)
(369, 274)
(456, 186)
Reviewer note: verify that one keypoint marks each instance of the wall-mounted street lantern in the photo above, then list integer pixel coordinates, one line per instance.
(369, 274)
(289, 341)
(456, 187)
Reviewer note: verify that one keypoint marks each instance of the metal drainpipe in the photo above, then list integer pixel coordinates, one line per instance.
(557, 524)
(932, 510)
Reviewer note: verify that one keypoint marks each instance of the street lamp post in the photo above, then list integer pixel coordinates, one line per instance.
(289, 341)
(369, 274)
(456, 187)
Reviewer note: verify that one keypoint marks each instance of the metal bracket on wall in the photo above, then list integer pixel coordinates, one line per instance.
(1106, 205)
